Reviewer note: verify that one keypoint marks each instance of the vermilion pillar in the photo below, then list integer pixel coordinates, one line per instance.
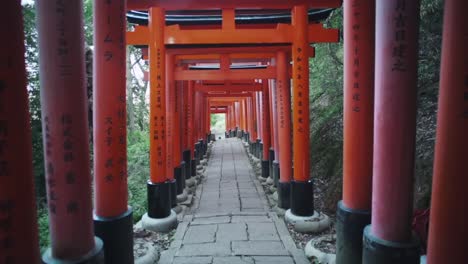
(276, 146)
(271, 151)
(113, 219)
(302, 189)
(171, 126)
(191, 126)
(354, 211)
(159, 186)
(187, 150)
(265, 129)
(179, 164)
(388, 239)
(258, 115)
(284, 129)
(448, 235)
(65, 133)
(18, 225)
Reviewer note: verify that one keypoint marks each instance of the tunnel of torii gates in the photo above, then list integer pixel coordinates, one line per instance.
(241, 61)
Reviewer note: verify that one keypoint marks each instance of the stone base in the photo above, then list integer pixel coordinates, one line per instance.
(349, 227)
(160, 224)
(95, 256)
(308, 224)
(321, 257)
(376, 250)
(117, 236)
(191, 182)
(182, 197)
(177, 209)
(270, 181)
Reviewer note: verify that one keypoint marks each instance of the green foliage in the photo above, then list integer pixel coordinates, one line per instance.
(138, 171)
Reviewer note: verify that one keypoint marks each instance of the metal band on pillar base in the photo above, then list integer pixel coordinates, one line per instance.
(276, 173)
(284, 195)
(302, 215)
(117, 235)
(376, 250)
(302, 198)
(160, 217)
(159, 199)
(350, 225)
(265, 168)
(95, 256)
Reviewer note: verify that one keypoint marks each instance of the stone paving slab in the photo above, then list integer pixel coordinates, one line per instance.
(230, 221)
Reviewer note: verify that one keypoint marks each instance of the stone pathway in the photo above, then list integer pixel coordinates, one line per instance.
(231, 222)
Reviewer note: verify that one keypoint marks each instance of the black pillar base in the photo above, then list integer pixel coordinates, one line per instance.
(179, 180)
(96, 256)
(198, 153)
(159, 199)
(349, 227)
(260, 152)
(186, 156)
(265, 168)
(276, 173)
(284, 195)
(183, 169)
(271, 158)
(117, 235)
(376, 250)
(202, 148)
(302, 198)
(193, 168)
(173, 187)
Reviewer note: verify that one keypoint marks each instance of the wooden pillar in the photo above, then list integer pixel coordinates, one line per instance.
(302, 189)
(65, 126)
(172, 129)
(18, 219)
(388, 239)
(354, 210)
(265, 129)
(283, 110)
(159, 192)
(448, 235)
(113, 220)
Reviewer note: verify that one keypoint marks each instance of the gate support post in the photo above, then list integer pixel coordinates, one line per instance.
(19, 232)
(353, 212)
(389, 239)
(302, 214)
(265, 129)
(448, 235)
(113, 219)
(283, 94)
(65, 126)
(160, 217)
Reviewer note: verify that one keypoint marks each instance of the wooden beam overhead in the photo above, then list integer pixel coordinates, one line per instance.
(283, 33)
(229, 88)
(220, 75)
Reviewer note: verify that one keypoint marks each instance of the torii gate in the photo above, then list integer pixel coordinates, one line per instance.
(386, 240)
